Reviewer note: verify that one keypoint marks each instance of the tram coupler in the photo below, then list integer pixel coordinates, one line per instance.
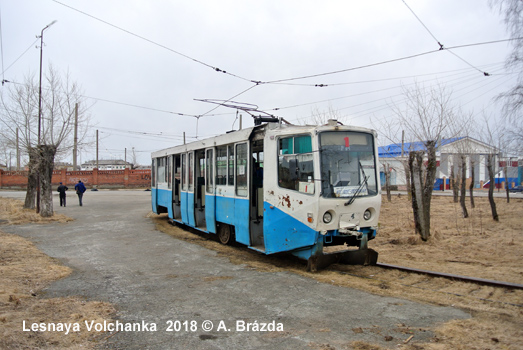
(349, 257)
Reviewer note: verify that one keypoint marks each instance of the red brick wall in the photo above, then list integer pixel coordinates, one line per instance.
(100, 178)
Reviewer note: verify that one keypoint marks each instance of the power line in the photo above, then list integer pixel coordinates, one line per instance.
(23, 53)
(383, 62)
(257, 82)
(473, 79)
(439, 43)
(423, 24)
(462, 71)
(222, 104)
(147, 108)
(216, 69)
(156, 134)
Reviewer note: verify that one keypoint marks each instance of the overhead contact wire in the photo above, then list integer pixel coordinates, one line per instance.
(441, 47)
(152, 42)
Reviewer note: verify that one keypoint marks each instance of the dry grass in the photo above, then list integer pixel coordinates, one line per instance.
(13, 213)
(24, 272)
(476, 246)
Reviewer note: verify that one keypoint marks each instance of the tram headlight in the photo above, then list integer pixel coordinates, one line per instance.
(327, 217)
(367, 215)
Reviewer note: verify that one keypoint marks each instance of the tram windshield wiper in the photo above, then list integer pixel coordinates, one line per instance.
(364, 182)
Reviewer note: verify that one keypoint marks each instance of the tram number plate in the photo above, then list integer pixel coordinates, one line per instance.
(346, 191)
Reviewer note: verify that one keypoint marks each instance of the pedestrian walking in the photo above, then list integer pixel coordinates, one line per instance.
(61, 189)
(80, 189)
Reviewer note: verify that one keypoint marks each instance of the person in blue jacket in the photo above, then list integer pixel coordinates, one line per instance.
(80, 189)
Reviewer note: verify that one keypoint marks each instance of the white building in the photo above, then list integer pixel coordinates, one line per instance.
(114, 164)
(448, 154)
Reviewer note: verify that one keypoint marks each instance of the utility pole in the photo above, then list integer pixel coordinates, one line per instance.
(75, 147)
(96, 149)
(125, 156)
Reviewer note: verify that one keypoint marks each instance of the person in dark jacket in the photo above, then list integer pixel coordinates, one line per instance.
(80, 189)
(61, 189)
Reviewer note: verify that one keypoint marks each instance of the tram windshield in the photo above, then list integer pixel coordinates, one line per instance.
(348, 164)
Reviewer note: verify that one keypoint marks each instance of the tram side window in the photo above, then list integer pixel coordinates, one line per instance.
(241, 170)
(169, 171)
(184, 178)
(295, 164)
(230, 181)
(161, 169)
(153, 175)
(221, 165)
(191, 172)
(209, 170)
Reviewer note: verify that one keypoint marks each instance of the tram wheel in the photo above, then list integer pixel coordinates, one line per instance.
(225, 234)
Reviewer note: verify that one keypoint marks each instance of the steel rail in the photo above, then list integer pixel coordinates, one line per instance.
(454, 277)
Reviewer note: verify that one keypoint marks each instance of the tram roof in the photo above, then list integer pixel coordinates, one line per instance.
(224, 139)
(244, 134)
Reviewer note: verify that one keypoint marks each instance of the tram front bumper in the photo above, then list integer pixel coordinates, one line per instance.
(349, 257)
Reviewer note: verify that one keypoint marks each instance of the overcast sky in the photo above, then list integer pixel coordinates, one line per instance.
(143, 63)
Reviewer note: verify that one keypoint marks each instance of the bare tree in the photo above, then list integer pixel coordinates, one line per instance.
(134, 161)
(319, 117)
(512, 10)
(20, 111)
(471, 186)
(386, 171)
(461, 153)
(463, 186)
(454, 181)
(426, 114)
(490, 134)
(490, 166)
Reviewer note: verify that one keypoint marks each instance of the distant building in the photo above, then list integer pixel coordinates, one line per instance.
(3, 167)
(65, 166)
(448, 155)
(113, 164)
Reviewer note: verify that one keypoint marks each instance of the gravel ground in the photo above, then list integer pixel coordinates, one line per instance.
(176, 291)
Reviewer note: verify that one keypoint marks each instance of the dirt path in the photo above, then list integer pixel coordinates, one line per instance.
(118, 256)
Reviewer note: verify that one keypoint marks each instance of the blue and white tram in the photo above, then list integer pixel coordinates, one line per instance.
(277, 188)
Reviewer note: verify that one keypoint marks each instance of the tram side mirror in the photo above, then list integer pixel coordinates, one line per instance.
(293, 169)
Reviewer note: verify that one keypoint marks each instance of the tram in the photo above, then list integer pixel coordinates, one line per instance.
(277, 188)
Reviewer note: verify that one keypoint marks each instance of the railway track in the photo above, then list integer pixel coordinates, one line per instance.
(454, 277)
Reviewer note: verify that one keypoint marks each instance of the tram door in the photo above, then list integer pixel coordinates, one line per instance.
(199, 189)
(176, 189)
(256, 198)
(154, 188)
(183, 193)
(209, 194)
(190, 189)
